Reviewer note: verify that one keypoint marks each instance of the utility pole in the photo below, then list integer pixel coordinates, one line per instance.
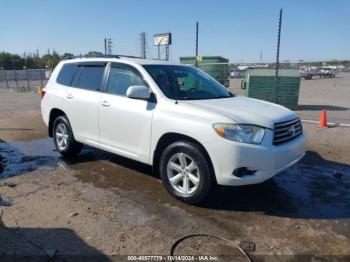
(26, 68)
(4, 73)
(278, 56)
(167, 52)
(167, 46)
(143, 44)
(15, 73)
(7, 83)
(40, 70)
(105, 40)
(278, 43)
(109, 46)
(197, 27)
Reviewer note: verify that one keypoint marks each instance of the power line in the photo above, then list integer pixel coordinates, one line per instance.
(167, 52)
(109, 46)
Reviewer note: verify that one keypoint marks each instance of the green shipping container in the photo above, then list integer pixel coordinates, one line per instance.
(262, 84)
(216, 66)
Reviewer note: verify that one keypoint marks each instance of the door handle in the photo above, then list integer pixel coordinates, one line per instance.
(69, 96)
(105, 103)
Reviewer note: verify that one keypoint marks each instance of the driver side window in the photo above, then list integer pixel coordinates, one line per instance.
(188, 81)
(121, 78)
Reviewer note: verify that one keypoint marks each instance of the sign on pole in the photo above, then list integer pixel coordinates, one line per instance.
(199, 58)
(162, 39)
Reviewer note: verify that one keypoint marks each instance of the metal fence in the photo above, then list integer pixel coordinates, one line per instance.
(306, 97)
(24, 79)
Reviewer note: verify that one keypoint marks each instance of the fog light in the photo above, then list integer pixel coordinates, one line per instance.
(243, 171)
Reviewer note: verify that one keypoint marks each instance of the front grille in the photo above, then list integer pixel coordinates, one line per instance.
(286, 131)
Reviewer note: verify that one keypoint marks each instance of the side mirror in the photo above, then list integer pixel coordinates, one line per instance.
(138, 92)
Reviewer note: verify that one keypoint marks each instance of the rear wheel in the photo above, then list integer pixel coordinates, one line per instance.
(63, 138)
(185, 172)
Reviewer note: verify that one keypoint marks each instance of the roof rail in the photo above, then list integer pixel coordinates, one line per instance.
(108, 56)
(100, 56)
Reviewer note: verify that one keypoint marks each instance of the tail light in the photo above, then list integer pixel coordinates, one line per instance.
(42, 92)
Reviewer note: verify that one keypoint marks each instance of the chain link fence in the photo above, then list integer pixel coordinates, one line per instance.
(24, 80)
(327, 89)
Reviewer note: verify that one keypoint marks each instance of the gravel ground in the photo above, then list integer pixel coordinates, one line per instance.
(102, 204)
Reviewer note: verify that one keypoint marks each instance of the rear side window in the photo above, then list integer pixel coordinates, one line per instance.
(89, 77)
(66, 74)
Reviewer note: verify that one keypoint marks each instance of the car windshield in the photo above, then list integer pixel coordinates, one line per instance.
(186, 83)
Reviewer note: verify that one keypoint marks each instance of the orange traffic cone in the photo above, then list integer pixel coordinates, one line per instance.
(323, 119)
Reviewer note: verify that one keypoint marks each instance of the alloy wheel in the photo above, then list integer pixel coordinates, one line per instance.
(183, 173)
(62, 136)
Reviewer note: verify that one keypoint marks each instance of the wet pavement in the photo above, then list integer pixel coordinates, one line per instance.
(124, 209)
(312, 189)
(18, 158)
(299, 209)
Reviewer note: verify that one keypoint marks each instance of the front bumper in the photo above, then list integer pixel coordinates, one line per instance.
(267, 159)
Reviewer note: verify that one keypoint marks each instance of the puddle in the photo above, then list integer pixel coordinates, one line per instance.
(113, 172)
(303, 191)
(307, 190)
(299, 192)
(18, 158)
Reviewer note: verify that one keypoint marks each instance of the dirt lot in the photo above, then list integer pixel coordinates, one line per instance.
(102, 204)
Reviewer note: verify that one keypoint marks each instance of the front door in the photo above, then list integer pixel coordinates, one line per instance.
(125, 123)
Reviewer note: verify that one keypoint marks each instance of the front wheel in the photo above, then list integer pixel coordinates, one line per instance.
(64, 139)
(185, 172)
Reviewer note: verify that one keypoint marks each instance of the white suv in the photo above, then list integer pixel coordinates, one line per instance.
(174, 117)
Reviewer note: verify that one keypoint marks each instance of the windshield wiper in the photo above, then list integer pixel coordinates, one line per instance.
(218, 97)
(188, 98)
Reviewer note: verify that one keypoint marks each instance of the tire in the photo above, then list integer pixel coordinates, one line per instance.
(194, 179)
(64, 139)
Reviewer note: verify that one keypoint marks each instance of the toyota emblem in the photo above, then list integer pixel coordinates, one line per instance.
(292, 130)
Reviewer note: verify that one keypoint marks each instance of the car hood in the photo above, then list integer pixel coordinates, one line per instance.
(246, 110)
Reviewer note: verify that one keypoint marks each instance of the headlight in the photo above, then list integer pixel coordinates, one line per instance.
(241, 133)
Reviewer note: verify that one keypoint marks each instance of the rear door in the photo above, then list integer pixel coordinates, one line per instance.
(125, 123)
(81, 101)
